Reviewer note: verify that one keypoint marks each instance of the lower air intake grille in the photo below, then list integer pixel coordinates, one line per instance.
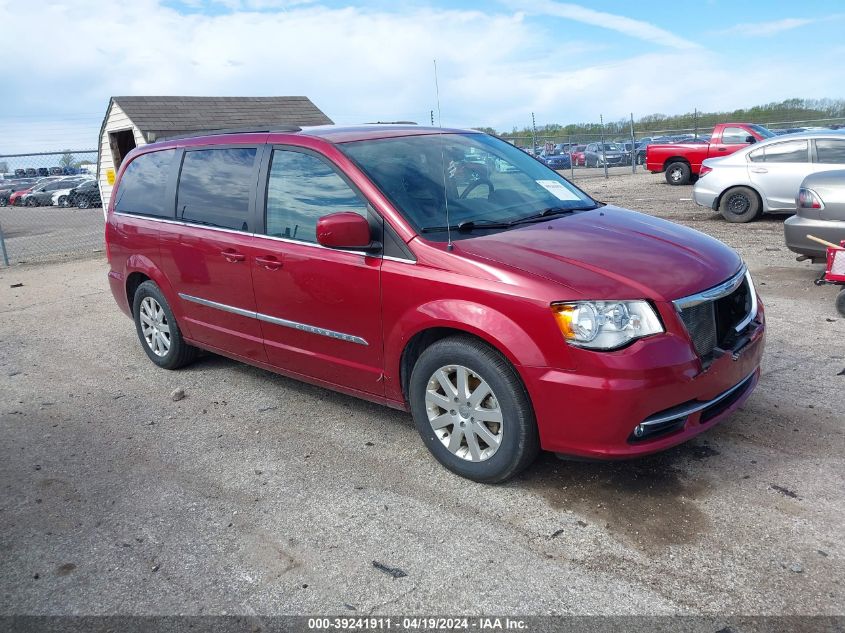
(701, 325)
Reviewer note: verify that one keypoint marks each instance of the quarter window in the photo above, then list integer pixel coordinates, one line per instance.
(302, 188)
(788, 152)
(215, 187)
(143, 185)
(831, 151)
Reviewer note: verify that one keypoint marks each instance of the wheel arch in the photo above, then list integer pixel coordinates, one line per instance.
(763, 206)
(140, 269)
(433, 322)
(676, 159)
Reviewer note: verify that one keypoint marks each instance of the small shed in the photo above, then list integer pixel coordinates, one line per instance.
(134, 121)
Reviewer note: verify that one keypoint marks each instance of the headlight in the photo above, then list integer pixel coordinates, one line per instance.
(605, 324)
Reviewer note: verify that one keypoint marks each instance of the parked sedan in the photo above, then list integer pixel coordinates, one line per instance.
(558, 161)
(42, 194)
(821, 213)
(613, 155)
(8, 188)
(765, 177)
(85, 195)
(578, 158)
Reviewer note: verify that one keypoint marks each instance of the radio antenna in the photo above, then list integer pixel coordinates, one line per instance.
(442, 161)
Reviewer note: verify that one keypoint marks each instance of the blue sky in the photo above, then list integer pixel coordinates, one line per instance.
(498, 61)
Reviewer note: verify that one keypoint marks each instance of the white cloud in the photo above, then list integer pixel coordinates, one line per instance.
(767, 29)
(621, 24)
(360, 65)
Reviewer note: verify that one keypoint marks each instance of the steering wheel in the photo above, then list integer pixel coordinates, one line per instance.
(481, 180)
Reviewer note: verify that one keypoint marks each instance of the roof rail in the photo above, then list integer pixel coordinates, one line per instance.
(232, 130)
(391, 123)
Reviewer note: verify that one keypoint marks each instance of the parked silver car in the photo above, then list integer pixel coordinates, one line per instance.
(765, 177)
(821, 213)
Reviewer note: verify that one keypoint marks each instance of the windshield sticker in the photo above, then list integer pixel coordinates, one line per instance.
(558, 190)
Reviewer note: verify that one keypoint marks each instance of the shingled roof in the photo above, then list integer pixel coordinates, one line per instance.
(159, 117)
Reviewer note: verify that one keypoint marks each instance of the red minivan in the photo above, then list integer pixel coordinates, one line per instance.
(443, 272)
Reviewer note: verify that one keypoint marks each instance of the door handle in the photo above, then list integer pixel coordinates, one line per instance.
(269, 262)
(721, 149)
(232, 255)
(759, 170)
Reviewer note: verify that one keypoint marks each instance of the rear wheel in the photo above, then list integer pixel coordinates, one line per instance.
(678, 173)
(472, 411)
(63, 201)
(740, 204)
(157, 329)
(83, 202)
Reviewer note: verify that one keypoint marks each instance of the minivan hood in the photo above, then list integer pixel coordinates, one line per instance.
(612, 253)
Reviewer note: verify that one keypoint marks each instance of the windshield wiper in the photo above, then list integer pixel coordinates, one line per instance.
(467, 226)
(550, 212)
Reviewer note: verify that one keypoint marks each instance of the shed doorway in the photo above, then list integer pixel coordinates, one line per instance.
(122, 142)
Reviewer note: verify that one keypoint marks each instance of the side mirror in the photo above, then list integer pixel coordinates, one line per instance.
(345, 230)
(750, 139)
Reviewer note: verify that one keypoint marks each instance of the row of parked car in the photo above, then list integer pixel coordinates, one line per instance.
(802, 174)
(61, 191)
(42, 172)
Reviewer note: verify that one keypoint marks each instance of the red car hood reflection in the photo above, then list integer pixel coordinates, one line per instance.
(612, 253)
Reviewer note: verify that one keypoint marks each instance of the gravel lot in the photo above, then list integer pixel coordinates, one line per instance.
(256, 494)
(39, 234)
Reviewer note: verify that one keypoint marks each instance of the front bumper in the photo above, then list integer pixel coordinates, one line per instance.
(796, 229)
(593, 412)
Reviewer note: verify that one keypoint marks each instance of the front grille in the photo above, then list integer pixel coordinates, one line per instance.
(711, 323)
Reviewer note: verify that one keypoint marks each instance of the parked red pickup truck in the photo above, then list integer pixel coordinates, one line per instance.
(682, 161)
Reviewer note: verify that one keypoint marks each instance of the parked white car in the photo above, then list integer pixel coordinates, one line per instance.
(765, 177)
(60, 197)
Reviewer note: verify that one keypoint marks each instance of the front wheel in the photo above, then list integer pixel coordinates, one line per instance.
(472, 410)
(83, 202)
(740, 205)
(63, 201)
(840, 302)
(157, 329)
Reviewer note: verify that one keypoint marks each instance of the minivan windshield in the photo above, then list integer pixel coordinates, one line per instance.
(487, 183)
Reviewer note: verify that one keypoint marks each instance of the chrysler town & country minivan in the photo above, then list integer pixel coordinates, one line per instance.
(443, 272)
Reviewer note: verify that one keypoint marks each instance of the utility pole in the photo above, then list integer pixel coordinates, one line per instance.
(695, 120)
(633, 147)
(534, 134)
(432, 118)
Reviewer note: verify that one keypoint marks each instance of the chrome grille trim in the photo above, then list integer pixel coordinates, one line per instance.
(711, 294)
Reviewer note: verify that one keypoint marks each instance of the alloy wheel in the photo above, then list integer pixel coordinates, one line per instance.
(154, 326)
(464, 413)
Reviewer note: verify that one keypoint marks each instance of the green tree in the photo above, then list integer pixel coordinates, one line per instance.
(67, 159)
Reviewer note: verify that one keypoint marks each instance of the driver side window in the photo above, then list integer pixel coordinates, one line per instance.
(301, 189)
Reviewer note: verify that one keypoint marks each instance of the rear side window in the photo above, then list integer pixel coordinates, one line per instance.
(830, 151)
(303, 188)
(786, 152)
(215, 187)
(144, 183)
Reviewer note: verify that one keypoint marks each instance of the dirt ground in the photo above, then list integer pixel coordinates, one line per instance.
(256, 494)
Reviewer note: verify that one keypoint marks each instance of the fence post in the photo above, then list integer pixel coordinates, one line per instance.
(3, 247)
(633, 147)
(571, 166)
(601, 136)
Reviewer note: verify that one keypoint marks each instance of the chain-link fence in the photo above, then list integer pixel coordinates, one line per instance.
(620, 148)
(49, 206)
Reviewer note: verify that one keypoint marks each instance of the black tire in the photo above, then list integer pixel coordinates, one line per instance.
(678, 173)
(180, 353)
(4, 202)
(29, 202)
(519, 442)
(62, 202)
(740, 204)
(840, 302)
(83, 202)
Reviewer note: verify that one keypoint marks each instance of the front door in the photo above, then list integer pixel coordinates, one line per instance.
(319, 308)
(208, 258)
(777, 170)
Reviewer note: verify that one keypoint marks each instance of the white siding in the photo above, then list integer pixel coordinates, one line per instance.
(116, 119)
